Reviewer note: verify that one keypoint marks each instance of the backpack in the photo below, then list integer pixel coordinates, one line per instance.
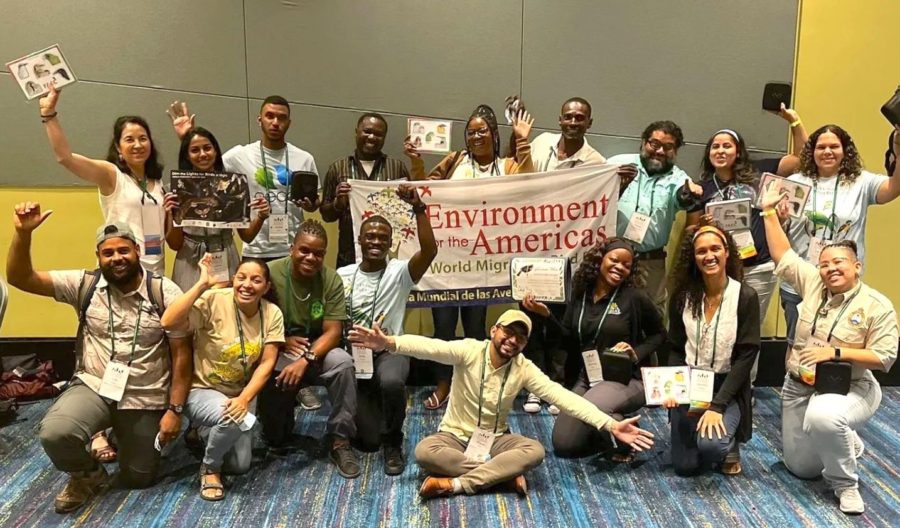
(86, 292)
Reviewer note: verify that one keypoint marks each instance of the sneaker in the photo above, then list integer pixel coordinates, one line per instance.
(532, 403)
(553, 409)
(344, 458)
(308, 399)
(82, 486)
(393, 460)
(851, 501)
(858, 447)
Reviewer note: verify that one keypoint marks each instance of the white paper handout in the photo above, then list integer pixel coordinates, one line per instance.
(797, 193)
(37, 71)
(429, 135)
(545, 278)
(732, 215)
(662, 383)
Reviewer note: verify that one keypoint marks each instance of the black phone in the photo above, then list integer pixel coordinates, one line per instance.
(891, 109)
(304, 184)
(833, 377)
(774, 94)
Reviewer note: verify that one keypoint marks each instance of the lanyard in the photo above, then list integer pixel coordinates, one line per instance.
(287, 166)
(476, 168)
(240, 327)
(112, 335)
(376, 168)
(822, 311)
(603, 318)
(637, 205)
(832, 218)
(719, 191)
(481, 390)
(144, 192)
(374, 297)
(697, 336)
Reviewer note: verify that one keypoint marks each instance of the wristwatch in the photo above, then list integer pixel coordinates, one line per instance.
(177, 409)
(310, 356)
(837, 353)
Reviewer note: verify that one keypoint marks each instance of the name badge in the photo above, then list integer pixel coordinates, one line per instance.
(744, 242)
(816, 245)
(479, 448)
(637, 227)
(363, 362)
(592, 366)
(219, 266)
(701, 392)
(115, 378)
(278, 228)
(152, 227)
(248, 422)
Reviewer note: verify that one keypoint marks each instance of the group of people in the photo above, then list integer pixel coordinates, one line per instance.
(154, 353)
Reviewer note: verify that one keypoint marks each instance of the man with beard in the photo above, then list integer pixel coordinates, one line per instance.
(367, 162)
(376, 290)
(311, 298)
(125, 360)
(474, 449)
(648, 206)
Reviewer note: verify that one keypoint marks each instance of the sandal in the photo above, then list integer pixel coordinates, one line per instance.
(433, 402)
(106, 453)
(216, 487)
(622, 457)
(732, 464)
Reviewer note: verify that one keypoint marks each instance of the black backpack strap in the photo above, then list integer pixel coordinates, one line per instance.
(85, 293)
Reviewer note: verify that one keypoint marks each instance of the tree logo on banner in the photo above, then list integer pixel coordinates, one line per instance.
(386, 203)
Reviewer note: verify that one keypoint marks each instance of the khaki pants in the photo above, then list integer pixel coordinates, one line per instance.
(511, 455)
(655, 277)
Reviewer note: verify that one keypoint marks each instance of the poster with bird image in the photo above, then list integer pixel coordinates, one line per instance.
(35, 72)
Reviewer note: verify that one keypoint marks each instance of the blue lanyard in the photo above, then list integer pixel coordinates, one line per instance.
(481, 390)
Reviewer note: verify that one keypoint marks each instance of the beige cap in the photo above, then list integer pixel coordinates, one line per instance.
(515, 316)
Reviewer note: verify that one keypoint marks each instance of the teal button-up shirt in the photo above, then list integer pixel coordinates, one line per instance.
(655, 196)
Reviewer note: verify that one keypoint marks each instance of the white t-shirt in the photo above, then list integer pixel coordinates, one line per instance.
(274, 184)
(709, 345)
(545, 156)
(124, 205)
(393, 284)
(468, 169)
(850, 212)
(367, 166)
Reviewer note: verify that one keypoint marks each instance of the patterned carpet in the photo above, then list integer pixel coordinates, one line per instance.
(302, 489)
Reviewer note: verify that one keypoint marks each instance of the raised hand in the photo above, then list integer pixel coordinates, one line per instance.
(788, 114)
(182, 119)
(534, 306)
(47, 103)
(409, 149)
(409, 194)
(28, 216)
(522, 124)
(693, 188)
(206, 279)
(773, 194)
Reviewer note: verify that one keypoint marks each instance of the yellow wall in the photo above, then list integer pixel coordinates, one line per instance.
(847, 66)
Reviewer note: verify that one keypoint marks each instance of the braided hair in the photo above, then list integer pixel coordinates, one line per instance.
(313, 228)
(485, 112)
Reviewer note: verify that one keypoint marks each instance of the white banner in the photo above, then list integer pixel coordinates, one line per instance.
(481, 224)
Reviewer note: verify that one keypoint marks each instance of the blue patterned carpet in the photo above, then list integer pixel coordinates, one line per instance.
(302, 489)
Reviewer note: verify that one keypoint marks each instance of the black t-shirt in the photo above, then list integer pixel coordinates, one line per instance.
(715, 190)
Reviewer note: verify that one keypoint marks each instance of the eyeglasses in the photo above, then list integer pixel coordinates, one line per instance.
(656, 145)
(514, 332)
(481, 132)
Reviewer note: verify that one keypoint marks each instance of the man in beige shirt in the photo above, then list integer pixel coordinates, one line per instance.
(474, 446)
(131, 374)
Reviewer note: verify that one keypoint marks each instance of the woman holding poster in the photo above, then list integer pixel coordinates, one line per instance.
(610, 323)
(200, 152)
(481, 158)
(714, 327)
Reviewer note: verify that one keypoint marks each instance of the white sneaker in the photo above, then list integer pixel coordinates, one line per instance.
(532, 403)
(858, 447)
(851, 500)
(554, 410)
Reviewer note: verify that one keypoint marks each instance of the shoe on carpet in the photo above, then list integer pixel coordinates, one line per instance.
(344, 458)
(851, 501)
(858, 447)
(732, 464)
(532, 403)
(393, 460)
(308, 399)
(553, 409)
(518, 484)
(81, 487)
(436, 487)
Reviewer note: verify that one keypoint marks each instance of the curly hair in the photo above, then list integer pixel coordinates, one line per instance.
(313, 228)
(589, 270)
(270, 295)
(742, 169)
(851, 166)
(689, 286)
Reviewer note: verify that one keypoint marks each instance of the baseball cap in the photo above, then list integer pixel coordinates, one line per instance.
(115, 230)
(515, 316)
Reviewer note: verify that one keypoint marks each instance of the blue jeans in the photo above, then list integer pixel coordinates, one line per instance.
(227, 447)
(690, 452)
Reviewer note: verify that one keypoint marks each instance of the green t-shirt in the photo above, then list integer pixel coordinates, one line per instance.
(305, 304)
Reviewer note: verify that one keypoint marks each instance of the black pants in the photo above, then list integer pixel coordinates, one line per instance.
(381, 403)
(445, 319)
(545, 346)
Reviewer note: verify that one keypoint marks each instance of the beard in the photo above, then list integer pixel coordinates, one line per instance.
(116, 278)
(654, 166)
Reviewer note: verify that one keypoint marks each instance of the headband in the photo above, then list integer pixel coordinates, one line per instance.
(710, 229)
(730, 132)
(618, 243)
